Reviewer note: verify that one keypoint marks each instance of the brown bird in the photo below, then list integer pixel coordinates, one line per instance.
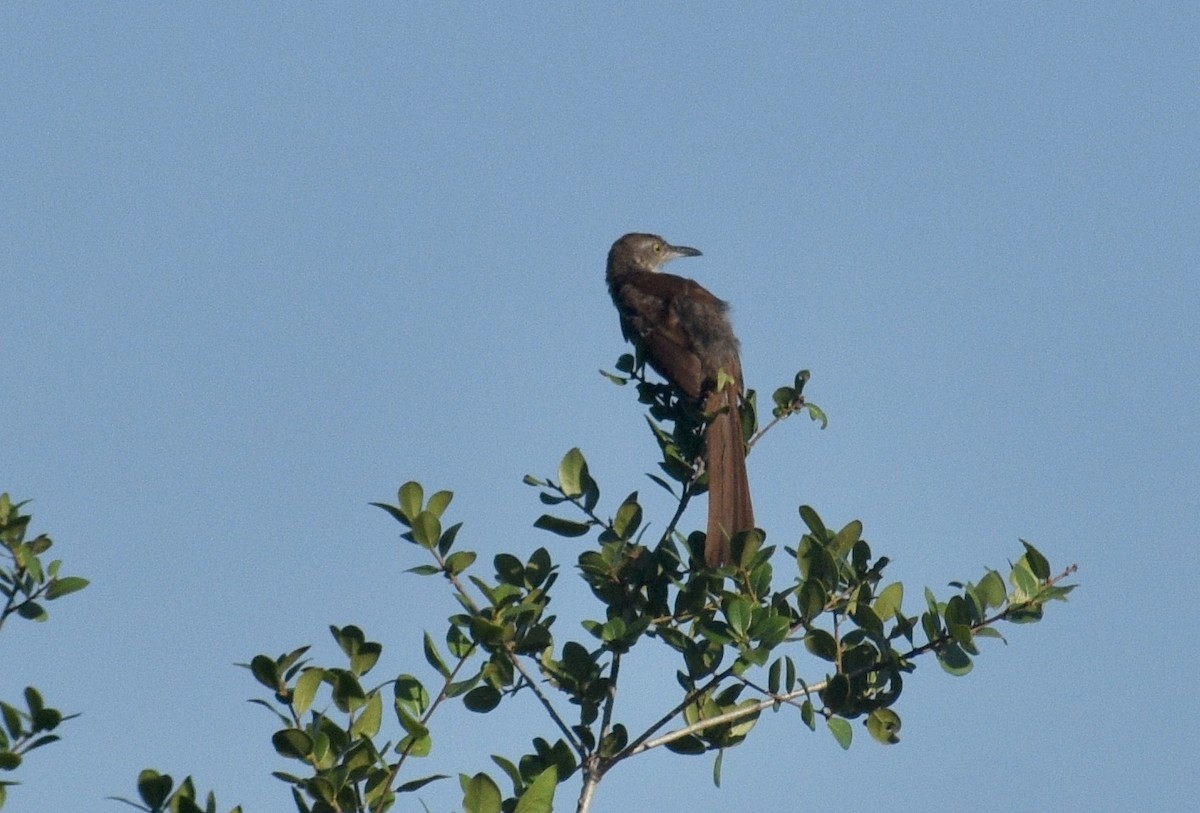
(685, 334)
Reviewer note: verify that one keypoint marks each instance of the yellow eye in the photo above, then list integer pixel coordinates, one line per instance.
(657, 248)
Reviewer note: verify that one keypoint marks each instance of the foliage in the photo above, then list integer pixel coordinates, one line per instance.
(25, 583)
(25, 580)
(742, 636)
(159, 795)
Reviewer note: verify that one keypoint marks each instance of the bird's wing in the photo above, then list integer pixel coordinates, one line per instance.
(650, 305)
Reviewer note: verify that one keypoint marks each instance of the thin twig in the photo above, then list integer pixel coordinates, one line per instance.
(684, 498)
(721, 719)
(792, 409)
(545, 701)
(611, 700)
(634, 746)
(437, 701)
(643, 744)
(515, 660)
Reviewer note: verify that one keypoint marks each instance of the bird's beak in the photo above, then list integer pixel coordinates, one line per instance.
(683, 251)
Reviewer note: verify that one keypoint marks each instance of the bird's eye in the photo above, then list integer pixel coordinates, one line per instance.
(657, 248)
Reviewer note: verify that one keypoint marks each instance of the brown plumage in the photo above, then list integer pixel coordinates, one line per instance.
(685, 335)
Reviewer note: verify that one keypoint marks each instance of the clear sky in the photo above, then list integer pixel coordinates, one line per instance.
(262, 264)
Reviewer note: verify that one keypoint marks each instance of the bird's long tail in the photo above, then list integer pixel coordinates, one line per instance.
(729, 507)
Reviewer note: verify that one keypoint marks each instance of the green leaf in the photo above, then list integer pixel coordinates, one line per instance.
(265, 671)
(12, 720)
(65, 586)
(349, 638)
(417, 784)
(438, 502)
(434, 658)
(447, 539)
(458, 687)
(836, 693)
(662, 483)
(411, 694)
(562, 527)
(822, 644)
(458, 643)
(612, 630)
(154, 788)
(43, 740)
(811, 599)
(510, 770)
(426, 529)
(572, 473)
(458, 562)
(370, 719)
(845, 538)
(411, 498)
(417, 745)
(813, 521)
(1037, 562)
(305, 690)
(784, 397)
(954, 660)
(841, 731)
(482, 699)
(888, 602)
(539, 567)
(629, 517)
(738, 614)
(1025, 614)
(865, 617)
(395, 512)
(1023, 580)
(481, 795)
(884, 725)
(348, 694)
(807, 715)
(689, 745)
(365, 659)
(538, 796)
(292, 743)
(958, 620)
(991, 590)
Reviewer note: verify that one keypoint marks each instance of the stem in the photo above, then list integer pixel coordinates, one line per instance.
(611, 700)
(437, 701)
(720, 719)
(684, 498)
(514, 660)
(590, 782)
(18, 574)
(545, 701)
(792, 409)
(645, 744)
(635, 746)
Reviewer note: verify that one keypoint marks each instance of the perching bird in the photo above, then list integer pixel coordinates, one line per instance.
(685, 334)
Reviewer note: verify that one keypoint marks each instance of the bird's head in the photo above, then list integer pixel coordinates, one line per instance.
(645, 252)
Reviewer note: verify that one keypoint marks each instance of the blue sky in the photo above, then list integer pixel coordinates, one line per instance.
(262, 265)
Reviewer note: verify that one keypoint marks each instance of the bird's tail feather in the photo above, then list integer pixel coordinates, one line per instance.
(729, 506)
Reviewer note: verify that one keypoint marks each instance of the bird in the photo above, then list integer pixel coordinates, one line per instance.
(684, 332)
